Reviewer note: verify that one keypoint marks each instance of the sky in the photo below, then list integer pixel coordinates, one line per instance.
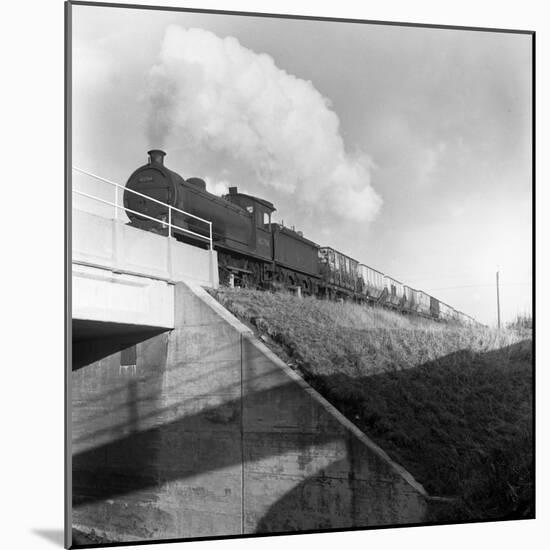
(407, 148)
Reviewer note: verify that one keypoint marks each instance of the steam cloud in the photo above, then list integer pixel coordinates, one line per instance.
(214, 94)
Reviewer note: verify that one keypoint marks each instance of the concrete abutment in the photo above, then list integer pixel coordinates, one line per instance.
(211, 434)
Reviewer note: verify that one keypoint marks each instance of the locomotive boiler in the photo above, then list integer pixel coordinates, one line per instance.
(231, 224)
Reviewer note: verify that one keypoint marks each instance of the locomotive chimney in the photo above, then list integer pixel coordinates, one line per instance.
(156, 156)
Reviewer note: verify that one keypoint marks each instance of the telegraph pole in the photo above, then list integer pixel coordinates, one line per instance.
(498, 303)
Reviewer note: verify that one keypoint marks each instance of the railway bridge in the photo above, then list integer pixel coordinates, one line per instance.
(123, 281)
(184, 425)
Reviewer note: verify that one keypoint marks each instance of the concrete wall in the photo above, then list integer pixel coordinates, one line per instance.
(211, 434)
(103, 296)
(108, 243)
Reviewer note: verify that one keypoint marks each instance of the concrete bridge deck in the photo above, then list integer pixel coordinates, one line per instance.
(123, 278)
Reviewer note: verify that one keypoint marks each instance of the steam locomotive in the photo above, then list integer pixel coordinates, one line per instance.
(253, 251)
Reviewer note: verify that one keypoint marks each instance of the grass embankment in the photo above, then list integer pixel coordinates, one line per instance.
(451, 404)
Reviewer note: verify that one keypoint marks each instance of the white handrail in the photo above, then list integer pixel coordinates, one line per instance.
(168, 206)
(163, 223)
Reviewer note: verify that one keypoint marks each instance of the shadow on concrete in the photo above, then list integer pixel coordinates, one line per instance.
(176, 450)
(140, 397)
(331, 512)
(438, 420)
(91, 349)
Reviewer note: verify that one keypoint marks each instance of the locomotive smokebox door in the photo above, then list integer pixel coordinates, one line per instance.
(149, 191)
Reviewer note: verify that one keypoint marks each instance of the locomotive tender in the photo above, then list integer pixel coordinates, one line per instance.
(256, 252)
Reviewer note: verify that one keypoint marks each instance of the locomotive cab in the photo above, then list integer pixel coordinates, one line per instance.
(260, 211)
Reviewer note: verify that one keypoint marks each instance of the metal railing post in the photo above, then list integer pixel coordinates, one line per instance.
(169, 221)
(116, 202)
